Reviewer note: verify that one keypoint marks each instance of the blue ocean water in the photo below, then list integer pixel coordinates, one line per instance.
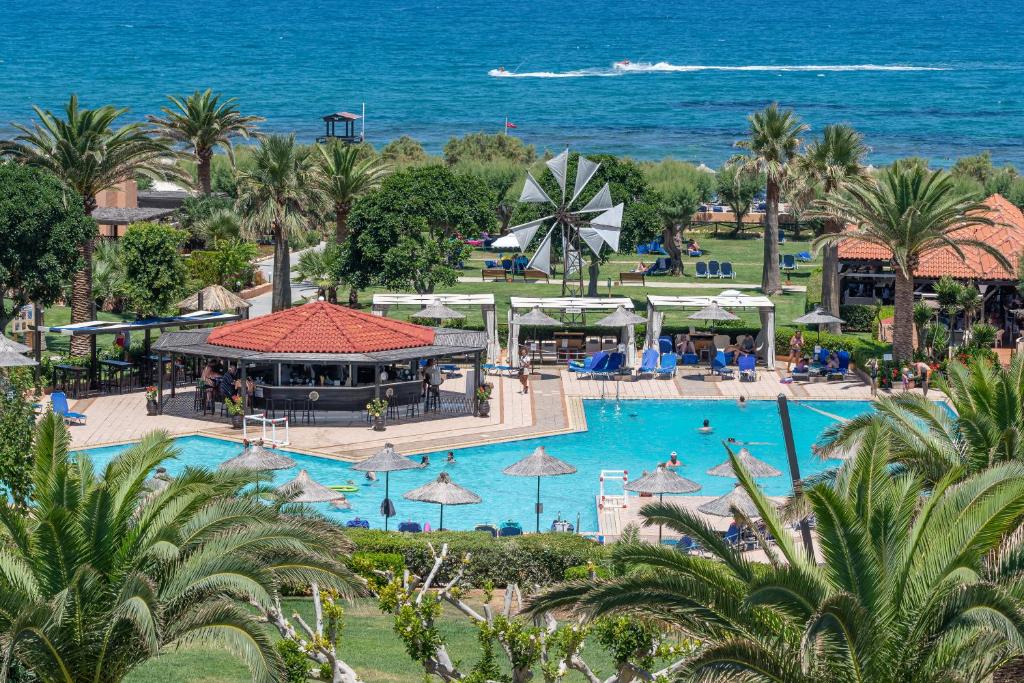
(422, 67)
(631, 435)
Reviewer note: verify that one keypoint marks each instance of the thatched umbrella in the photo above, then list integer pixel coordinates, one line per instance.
(536, 318)
(757, 468)
(438, 311)
(9, 359)
(737, 500)
(443, 492)
(303, 489)
(539, 464)
(159, 481)
(213, 298)
(256, 457)
(620, 318)
(9, 345)
(386, 460)
(662, 481)
(713, 312)
(818, 317)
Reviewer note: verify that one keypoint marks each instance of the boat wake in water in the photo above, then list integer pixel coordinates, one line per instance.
(623, 68)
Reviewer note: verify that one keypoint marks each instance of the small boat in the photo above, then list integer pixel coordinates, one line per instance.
(562, 525)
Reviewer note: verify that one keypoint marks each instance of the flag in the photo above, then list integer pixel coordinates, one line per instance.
(509, 124)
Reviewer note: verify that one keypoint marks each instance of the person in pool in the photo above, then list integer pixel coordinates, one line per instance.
(743, 401)
(706, 428)
(451, 458)
(425, 461)
(673, 460)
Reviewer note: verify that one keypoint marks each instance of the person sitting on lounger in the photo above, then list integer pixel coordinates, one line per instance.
(706, 428)
(641, 267)
(692, 248)
(686, 346)
(801, 368)
(747, 346)
(833, 361)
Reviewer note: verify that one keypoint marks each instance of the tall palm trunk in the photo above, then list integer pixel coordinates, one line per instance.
(770, 281)
(830, 277)
(82, 303)
(204, 159)
(282, 296)
(903, 322)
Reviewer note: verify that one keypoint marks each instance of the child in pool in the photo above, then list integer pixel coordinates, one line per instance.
(705, 428)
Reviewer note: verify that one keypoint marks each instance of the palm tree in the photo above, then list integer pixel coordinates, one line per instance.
(774, 141)
(88, 155)
(277, 197)
(908, 211)
(910, 586)
(834, 162)
(203, 123)
(100, 574)
(322, 267)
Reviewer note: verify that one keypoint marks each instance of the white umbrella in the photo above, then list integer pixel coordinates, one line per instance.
(303, 489)
(757, 468)
(438, 311)
(818, 317)
(508, 241)
(713, 312)
(725, 506)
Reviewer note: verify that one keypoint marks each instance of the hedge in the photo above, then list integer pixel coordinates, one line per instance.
(526, 560)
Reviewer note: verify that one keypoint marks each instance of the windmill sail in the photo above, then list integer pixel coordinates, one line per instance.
(608, 235)
(533, 193)
(585, 170)
(611, 218)
(542, 259)
(524, 233)
(558, 167)
(593, 239)
(602, 201)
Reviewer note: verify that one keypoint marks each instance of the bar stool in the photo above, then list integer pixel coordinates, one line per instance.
(433, 401)
(389, 396)
(309, 407)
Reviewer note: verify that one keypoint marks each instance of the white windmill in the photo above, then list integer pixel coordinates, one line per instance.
(595, 224)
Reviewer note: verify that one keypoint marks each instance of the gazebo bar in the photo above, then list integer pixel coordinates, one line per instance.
(333, 357)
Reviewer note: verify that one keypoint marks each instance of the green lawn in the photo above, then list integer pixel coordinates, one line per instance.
(61, 315)
(368, 644)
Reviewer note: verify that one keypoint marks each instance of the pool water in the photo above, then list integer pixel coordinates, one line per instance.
(630, 435)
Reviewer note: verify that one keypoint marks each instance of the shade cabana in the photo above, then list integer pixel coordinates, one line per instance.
(765, 341)
(383, 302)
(442, 491)
(576, 308)
(539, 464)
(215, 298)
(386, 460)
(335, 356)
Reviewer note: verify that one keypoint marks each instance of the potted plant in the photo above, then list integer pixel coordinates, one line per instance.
(483, 400)
(234, 408)
(151, 406)
(377, 409)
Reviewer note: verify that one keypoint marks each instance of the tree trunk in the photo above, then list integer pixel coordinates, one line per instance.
(282, 297)
(739, 226)
(82, 303)
(770, 281)
(903, 322)
(674, 246)
(341, 222)
(203, 158)
(594, 271)
(830, 278)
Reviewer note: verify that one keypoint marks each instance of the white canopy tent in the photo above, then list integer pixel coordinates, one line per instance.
(765, 342)
(382, 302)
(573, 305)
(509, 241)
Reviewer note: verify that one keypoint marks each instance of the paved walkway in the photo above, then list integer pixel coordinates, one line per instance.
(717, 285)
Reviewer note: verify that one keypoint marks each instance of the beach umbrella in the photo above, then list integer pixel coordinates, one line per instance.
(818, 317)
(662, 481)
(621, 318)
(737, 499)
(509, 241)
(442, 491)
(713, 312)
(159, 481)
(757, 468)
(438, 311)
(303, 489)
(539, 464)
(386, 460)
(213, 298)
(257, 458)
(536, 318)
(8, 345)
(9, 359)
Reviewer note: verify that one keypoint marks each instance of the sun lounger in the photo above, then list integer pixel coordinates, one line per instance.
(665, 344)
(719, 365)
(667, 365)
(804, 376)
(648, 362)
(714, 269)
(843, 369)
(615, 363)
(748, 368)
(732, 536)
(727, 270)
(804, 256)
(60, 406)
(687, 545)
(788, 262)
(591, 364)
(702, 269)
(496, 369)
(690, 359)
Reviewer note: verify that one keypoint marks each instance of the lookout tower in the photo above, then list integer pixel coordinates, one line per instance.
(348, 131)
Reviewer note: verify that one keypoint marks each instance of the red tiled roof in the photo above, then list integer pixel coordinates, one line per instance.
(1007, 236)
(320, 327)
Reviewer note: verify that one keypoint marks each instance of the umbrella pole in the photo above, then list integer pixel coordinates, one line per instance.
(661, 499)
(537, 507)
(440, 526)
(387, 488)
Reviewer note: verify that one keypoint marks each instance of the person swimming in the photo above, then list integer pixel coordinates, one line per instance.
(743, 401)
(673, 460)
(706, 428)
(425, 461)
(451, 457)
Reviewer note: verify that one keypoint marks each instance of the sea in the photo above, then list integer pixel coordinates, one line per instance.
(938, 78)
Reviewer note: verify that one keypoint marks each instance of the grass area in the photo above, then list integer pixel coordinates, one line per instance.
(368, 644)
(61, 315)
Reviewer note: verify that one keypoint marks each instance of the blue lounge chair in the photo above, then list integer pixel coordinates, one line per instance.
(506, 264)
(804, 256)
(665, 344)
(667, 366)
(788, 262)
(782, 237)
(694, 252)
(702, 269)
(660, 267)
(591, 365)
(687, 545)
(713, 269)
(719, 365)
(648, 362)
(690, 359)
(727, 270)
(748, 368)
(642, 249)
(60, 406)
(490, 264)
(357, 523)
(823, 356)
(732, 536)
(614, 365)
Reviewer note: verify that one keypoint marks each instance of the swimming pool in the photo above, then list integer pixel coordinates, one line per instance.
(630, 435)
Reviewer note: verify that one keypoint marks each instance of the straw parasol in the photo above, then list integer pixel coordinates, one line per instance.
(159, 481)
(9, 359)
(713, 312)
(443, 492)
(539, 464)
(256, 457)
(213, 298)
(724, 506)
(757, 468)
(536, 318)
(386, 460)
(303, 489)
(438, 311)
(818, 317)
(8, 345)
(621, 318)
(662, 481)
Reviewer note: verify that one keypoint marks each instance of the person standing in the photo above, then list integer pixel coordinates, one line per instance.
(524, 369)
(796, 349)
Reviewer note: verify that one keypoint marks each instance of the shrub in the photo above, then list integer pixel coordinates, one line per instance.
(367, 565)
(534, 559)
(859, 317)
(296, 665)
(583, 571)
